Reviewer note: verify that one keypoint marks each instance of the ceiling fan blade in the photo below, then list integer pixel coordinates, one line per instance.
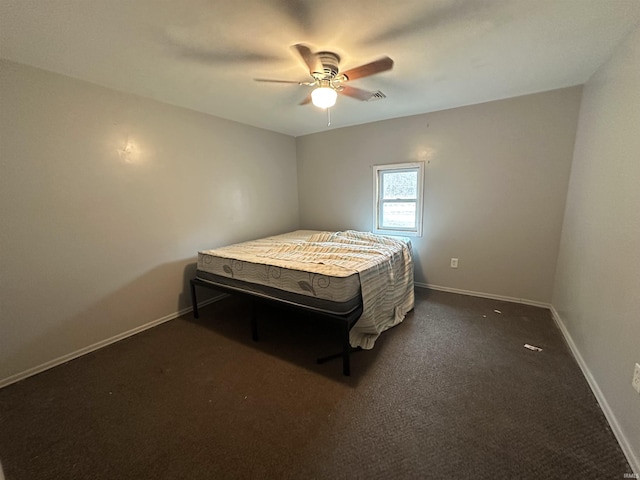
(277, 81)
(298, 11)
(358, 93)
(311, 59)
(454, 13)
(306, 100)
(381, 65)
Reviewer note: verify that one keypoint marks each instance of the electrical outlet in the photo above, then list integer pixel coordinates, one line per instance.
(636, 378)
(454, 263)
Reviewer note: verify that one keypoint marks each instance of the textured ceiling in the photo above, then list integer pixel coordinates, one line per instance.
(204, 54)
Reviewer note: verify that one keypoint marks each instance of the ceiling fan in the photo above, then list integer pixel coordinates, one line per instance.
(329, 81)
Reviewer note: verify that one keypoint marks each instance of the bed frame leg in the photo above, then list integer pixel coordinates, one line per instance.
(254, 322)
(346, 350)
(194, 302)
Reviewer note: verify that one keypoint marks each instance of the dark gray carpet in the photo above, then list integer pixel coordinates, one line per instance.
(449, 393)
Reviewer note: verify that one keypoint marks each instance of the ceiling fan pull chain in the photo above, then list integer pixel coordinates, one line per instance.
(328, 117)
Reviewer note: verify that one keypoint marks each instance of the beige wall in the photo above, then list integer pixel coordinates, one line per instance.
(495, 187)
(96, 242)
(597, 288)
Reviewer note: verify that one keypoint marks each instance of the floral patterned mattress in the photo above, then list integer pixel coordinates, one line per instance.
(332, 272)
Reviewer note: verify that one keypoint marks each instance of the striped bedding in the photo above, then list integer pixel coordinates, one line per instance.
(385, 267)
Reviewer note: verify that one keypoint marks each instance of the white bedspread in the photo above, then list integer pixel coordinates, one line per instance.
(385, 267)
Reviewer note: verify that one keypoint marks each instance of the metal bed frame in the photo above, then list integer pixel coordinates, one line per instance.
(345, 321)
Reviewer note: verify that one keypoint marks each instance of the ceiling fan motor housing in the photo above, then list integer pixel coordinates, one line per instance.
(330, 62)
(328, 80)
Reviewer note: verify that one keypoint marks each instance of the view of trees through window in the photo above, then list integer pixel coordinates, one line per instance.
(399, 186)
(397, 198)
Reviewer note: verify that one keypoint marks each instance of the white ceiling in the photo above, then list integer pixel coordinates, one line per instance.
(204, 54)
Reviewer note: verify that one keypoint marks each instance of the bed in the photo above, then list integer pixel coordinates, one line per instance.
(361, 281)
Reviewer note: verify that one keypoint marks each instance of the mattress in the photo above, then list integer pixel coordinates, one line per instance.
(246, 267)
(331, 272)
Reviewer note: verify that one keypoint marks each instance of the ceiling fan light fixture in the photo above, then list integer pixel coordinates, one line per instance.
(324, 97)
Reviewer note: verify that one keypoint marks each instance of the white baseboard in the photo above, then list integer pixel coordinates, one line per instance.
(483, 295)
(103, 343)
(632, 458)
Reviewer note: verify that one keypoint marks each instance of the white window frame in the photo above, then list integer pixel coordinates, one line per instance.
(378, 172)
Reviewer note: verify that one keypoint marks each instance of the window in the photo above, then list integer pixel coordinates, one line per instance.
(397, 202)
